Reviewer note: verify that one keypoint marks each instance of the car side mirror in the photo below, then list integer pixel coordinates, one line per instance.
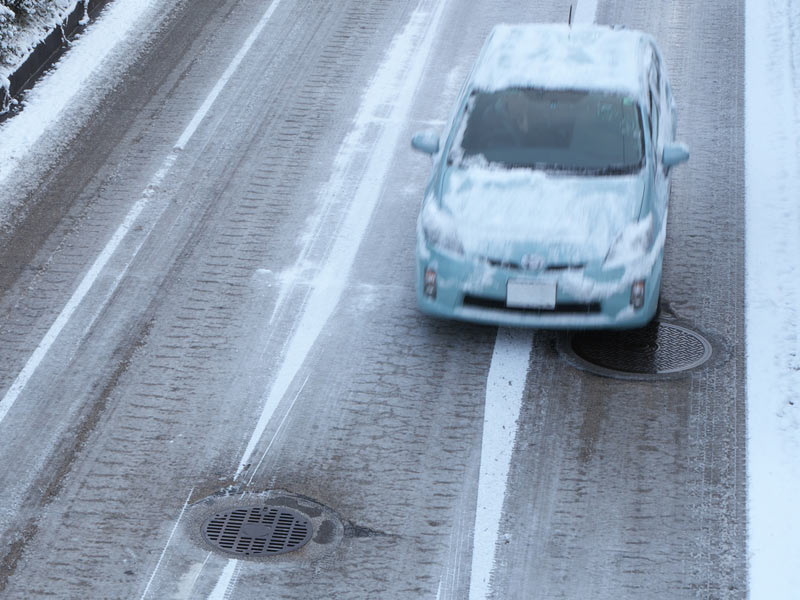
(426, 141)
(674, 154)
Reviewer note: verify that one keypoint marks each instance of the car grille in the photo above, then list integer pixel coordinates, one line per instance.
(500, 264)
(560, 308)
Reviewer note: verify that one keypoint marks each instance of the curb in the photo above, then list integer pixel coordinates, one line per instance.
(47, 52)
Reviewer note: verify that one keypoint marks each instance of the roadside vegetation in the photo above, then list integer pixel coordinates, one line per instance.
(23, 24)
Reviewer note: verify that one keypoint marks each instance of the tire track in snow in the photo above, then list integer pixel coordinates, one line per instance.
(395, 85)
(88, 281)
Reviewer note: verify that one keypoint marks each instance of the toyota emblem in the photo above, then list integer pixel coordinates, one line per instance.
(532, 262)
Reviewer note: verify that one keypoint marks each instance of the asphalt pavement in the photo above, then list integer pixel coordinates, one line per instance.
(254, 335)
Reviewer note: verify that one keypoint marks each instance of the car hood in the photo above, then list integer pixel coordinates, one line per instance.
(502, 214)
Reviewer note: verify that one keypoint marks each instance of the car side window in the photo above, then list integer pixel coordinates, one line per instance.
(655, 70)
(667, 123)
(654, 97)
(654, 114)
(669, 105)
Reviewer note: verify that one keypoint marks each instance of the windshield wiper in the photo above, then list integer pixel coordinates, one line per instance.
(593, 171)
(612, 170)
(526, 165)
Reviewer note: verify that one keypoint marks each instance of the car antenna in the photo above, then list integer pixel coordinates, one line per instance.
(569, 19)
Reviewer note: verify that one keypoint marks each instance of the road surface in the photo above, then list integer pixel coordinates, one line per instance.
(191, 306)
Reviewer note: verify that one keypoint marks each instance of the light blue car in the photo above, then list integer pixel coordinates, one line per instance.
(547, 204)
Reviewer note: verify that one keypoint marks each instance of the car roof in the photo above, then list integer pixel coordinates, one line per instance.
(558, 56)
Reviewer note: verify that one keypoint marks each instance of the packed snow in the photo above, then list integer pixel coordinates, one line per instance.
(23, 24)
(46, 103)
(574, 218)
(773, 297)
(561, 57)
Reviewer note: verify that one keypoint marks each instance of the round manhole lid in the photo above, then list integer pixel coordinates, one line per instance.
(656, 350)
(258, 530)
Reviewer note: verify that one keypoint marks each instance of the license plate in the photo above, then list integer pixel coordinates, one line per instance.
(530, 294)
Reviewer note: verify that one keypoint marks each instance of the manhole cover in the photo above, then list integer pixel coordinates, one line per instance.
(658, 349)
(258, 530)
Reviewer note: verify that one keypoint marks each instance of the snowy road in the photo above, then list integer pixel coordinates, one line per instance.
(232, 284)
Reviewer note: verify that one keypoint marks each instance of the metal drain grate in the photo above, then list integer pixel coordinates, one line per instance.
(258, 530)
(658, 349)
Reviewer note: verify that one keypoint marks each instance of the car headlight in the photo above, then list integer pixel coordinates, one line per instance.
(439, 228)
(634, 241)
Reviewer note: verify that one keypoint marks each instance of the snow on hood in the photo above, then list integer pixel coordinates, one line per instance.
(504, 213)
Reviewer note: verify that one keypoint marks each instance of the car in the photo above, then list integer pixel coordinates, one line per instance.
(547, 202)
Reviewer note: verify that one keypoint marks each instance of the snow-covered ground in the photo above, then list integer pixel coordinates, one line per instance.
(773, 296)
(43, 117)
(23, 25)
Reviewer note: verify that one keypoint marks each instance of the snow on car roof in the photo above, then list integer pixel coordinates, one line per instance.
(561, 57)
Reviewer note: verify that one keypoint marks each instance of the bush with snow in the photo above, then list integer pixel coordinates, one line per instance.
(23, 24)
(8, 29)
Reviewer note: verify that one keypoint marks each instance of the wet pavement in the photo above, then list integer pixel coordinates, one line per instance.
(245, 274)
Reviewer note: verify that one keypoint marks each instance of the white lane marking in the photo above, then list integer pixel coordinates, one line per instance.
(395, 84)
(772, 297)
(368, 115)
(105, 255)
(509, 363)
(164, 551)
(459, 542)
(84, 286)
(190, 588)
(234, 64)
(221, 591)
(585, 12)
(504, 389)
(278, 430)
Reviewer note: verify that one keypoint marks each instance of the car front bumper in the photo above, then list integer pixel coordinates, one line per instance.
(586, 298)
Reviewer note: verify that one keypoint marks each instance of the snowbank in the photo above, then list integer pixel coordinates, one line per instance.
(31, 34)
(24, 24)
(773, 297)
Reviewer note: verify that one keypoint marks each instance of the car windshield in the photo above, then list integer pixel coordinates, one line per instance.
(573, 130)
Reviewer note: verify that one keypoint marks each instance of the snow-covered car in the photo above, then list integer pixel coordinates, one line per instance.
(547, 204)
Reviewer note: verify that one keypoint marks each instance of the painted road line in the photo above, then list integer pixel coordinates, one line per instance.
(278, 430)
(86, 284)
(504, 389)
(24, 376)
(395, 84)
(223, 80)
(169, 539)
(225, 582)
